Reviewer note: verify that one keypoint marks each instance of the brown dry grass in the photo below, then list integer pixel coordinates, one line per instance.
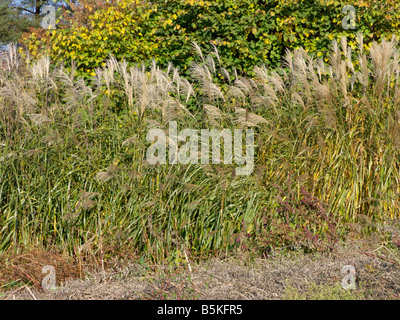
(25, 268)
(242, 276)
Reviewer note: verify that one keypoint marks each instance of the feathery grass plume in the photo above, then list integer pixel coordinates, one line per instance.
(211, 64)
(182, 85)
(246, 85)
(167, 92)
(276, 80)
(12, 59)
(112, 67)
(225, 74)
(85, 202)
(211, 91)
(323, 94)
(189, 187)
(198, 50)
(41, 69)
(381, 57)
(200, 72)
(216, 53)
(104, 176)
(98, 78)
(301, 72)
(348, 56)
(393, 78)
(335, 59)
(396, 101)
(344, 65)
(143, 91)
(182, 110)
(107, 75)
(38, 118)
(9, 156)
(250, 90)
(360, 42)
(129, 141)
(344, 82)
(77, 92)
(363, 74)
(321, 69)
(268, 92)
(235, 92)
(348, 155)
(185, 88)
(16, 100)
(248, 119)
(128, 81)
(67, 78)
(213, 113)
(203, 74)
(296, 98)
(31, 153)
(152, 124)
(288, 63)
(52, 138)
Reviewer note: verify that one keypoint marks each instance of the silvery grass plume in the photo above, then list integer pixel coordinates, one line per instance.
(42, 81)
(269, 86)
(16, 98)
(40, 70)
(363, 74)
(103, 176)
(183, 86)
(107, 75)
(138, 87)
(385, 64)
(52, 138)
(85, 202)
(77, 92)
(215, 115)
(168, 86)
(338, 71)
(203, 73)
(249, 119)
(12, 60)
(162, 89)
(39, 118)
(310, 79)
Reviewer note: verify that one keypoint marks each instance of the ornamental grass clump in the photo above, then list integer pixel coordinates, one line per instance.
(74, 175)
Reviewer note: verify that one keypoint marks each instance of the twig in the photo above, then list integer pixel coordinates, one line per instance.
(187, 260)
(29, 290)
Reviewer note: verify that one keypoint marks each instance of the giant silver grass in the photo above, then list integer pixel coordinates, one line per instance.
(348, 154)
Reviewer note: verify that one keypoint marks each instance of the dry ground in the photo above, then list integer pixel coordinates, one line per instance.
(281, 276)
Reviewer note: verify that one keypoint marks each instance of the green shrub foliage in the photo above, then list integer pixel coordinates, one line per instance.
(245, 32)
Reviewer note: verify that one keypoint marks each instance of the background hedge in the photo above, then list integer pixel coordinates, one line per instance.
(246, 32)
